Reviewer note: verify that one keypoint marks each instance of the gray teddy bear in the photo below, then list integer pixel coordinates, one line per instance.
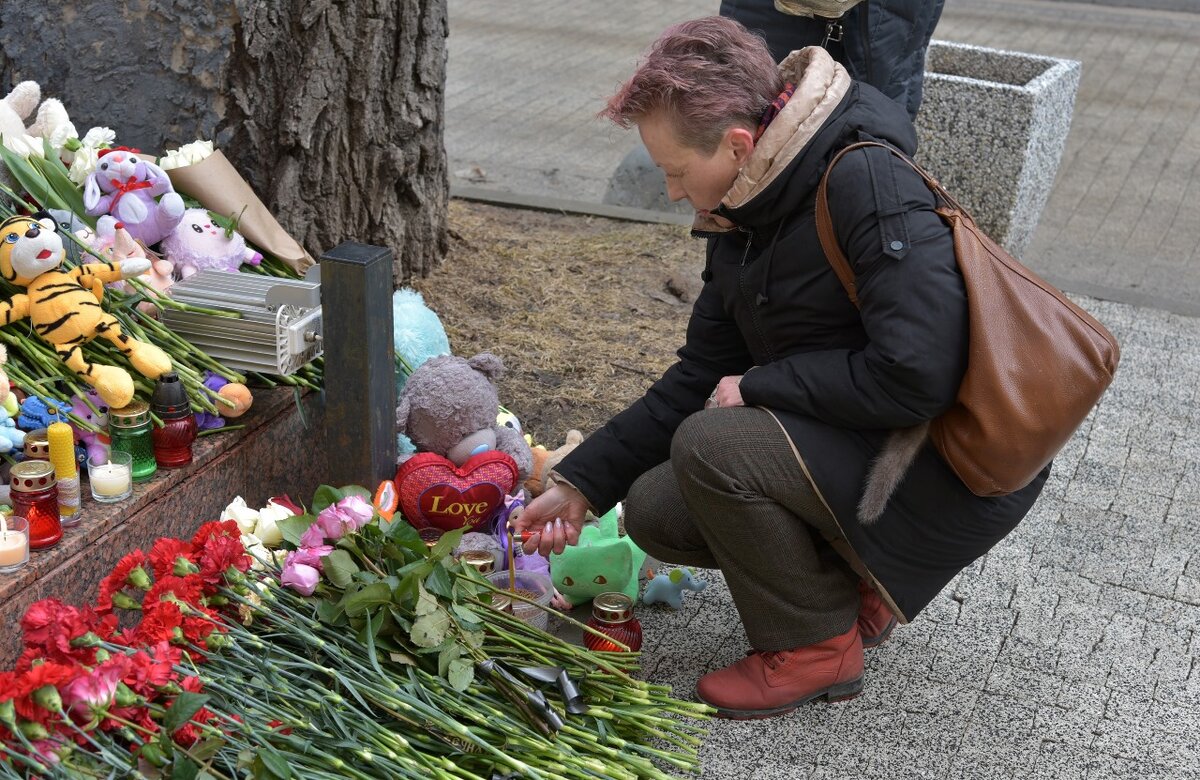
(449, 406)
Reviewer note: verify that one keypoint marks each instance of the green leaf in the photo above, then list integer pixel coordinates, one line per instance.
(340, 568)
(448, 542)
(207, 749)
(182, 709)
(357, 490)
(29, 178)
(371, 596)
(430, 630)
(426, 604)
(467, 618)
(402, 658)
(325, 496)
(452, 651)
(331, 612)
(371, 654)
(473, 638)
(275, 763)
(55, 173)
(294, 527)
(438, 582)
(183, 768)
(460, 674)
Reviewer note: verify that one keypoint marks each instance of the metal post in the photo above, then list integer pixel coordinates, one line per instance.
(360, 383)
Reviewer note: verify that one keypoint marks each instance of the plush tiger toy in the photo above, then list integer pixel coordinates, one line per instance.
(64, 307)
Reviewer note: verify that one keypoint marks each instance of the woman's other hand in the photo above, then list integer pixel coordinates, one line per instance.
(554, 518)
(727, 393)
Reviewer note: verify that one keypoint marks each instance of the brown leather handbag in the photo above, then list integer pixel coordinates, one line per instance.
(1036, 365)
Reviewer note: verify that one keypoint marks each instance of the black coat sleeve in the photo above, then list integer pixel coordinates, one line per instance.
(608, 462)
(912, 301)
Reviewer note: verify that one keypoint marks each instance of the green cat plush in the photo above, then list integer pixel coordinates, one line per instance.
(603, 561)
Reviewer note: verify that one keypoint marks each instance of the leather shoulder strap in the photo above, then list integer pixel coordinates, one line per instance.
(829, 243)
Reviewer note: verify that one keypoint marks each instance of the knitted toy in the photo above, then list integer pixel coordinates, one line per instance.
(668, 587)
(64, 308)
(545, 460)
(37, 412)
(602, 561)
(125, 185)
(96, 444)
(197, 244)
(465, 463)
(235, 392)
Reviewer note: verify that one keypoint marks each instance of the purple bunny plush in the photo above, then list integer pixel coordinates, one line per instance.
(126, 185)
(197, 244)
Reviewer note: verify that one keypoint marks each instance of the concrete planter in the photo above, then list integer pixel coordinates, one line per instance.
(992, 128)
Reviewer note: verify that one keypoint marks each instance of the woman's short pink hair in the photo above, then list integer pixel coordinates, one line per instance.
(709, 74)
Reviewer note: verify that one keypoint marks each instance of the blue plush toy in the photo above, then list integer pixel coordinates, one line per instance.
(11, 437)
(668, 587)
(417, 335)
(35, 413)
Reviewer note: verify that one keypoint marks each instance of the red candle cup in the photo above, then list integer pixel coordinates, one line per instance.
(612, 615)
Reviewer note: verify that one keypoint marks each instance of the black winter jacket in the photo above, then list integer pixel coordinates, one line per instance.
(836, 378)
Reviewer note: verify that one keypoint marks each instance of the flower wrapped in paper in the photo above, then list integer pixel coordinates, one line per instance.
(204, 173)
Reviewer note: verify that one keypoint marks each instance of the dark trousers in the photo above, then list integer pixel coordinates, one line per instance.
(733, 497)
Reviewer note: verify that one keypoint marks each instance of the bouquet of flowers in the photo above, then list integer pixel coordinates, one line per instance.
(366, 654)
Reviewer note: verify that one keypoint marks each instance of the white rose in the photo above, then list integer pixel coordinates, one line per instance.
(257, 552)
(98, 137)
(188, 154)
(84, 163)
(267, 529)
(244, 516)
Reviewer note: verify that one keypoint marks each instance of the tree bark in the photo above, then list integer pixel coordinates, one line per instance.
(332, 109)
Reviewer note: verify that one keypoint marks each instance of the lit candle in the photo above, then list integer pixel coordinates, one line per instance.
(14, 546)
(110, 479)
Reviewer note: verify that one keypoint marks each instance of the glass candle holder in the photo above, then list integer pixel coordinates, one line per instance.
(173, 441)
(14, 543)
(130, 430)
(37, 445)
(111, 476)
(66, 473)
(612, 615)
(35, 497)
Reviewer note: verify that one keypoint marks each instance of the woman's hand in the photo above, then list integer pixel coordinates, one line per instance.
(727, 393)
(555, 518)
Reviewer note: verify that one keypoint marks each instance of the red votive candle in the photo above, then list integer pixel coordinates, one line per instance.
(612, 615)
(173, 441)
(35, 497)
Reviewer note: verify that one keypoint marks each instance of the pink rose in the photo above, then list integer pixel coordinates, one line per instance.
(309, 556)
(301, 578)
(333, 522)
(356, 510)
(313, 537)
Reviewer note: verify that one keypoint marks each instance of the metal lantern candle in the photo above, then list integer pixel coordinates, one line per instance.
(35, 497)
(173, 441)
(37, 445)
(130, 430)
(612, 615)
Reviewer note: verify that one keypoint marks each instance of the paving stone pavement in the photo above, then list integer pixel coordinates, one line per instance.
(1071, 650)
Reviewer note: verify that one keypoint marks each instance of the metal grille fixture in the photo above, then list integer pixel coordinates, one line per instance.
(279, 326)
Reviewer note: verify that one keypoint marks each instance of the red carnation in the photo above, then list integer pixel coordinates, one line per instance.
(158, 624)
(187, 589)
(189, 732)
(148, 672)
(29, 682)
(165, 552)
(219, 554)
(129, 572)
(49, 626)
(226, 529)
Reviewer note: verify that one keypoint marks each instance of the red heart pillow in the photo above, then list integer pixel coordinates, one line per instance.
(434, 492)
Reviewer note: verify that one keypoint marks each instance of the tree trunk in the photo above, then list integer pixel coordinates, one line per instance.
(331, 109)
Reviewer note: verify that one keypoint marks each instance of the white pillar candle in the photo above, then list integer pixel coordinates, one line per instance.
(14, 546)
(111, 479)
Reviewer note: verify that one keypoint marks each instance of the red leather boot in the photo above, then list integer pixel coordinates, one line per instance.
(875, 620)
(772, 683)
